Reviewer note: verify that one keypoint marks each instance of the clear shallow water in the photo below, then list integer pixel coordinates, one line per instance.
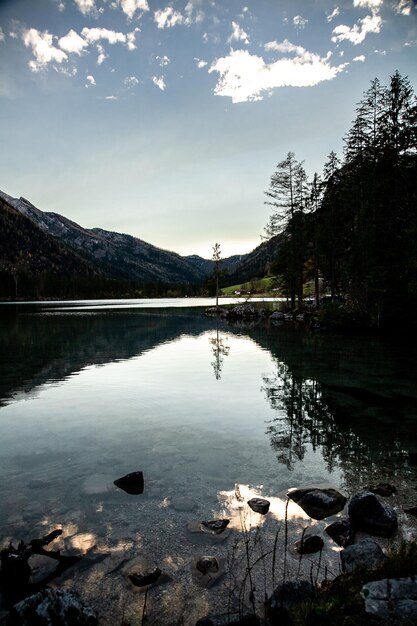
(88, 394)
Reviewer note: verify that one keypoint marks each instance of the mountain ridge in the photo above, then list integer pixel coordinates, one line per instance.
(120, 256)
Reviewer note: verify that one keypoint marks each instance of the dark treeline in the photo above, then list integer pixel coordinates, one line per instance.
(353, 229)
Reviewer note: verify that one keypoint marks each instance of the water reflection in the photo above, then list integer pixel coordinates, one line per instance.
(220, 349)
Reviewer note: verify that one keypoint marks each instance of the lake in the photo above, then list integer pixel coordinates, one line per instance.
(213, 414)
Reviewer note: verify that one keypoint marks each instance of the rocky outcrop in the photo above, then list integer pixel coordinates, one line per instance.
(318, 503)
(368, 513)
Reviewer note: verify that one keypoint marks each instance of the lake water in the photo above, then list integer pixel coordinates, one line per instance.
(94, 390)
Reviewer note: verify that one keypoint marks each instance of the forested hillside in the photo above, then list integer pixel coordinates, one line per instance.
(353, 229)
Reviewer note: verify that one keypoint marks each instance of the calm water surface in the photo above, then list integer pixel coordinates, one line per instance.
(91, 391)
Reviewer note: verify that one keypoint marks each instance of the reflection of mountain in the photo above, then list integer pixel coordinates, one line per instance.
(41, 348)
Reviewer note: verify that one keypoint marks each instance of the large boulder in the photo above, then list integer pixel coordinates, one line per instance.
(368, 513)
(286, 596)
(366, 553)
(51, 607)
(318, 503)
(392, 599)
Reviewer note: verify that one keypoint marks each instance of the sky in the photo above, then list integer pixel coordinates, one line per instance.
(166, 120)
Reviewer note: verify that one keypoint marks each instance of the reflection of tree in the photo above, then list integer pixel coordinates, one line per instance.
(219, 349)
(305, 416)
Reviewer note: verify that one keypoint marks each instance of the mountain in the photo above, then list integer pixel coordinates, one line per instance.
(49, 242)
(256, 264)
(24, 248)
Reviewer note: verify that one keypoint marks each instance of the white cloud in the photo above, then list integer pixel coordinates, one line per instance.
(368, 4)
(60, 5)
(72, 42)
(404, 7)
(159, 81)
(110, 98)
(86, 6)
(284, 47)
(102, 56)
(131, 81)
(1, 34)
(244, 77)
(357, 33)
(200, 63)
(163, 61)
(360, 58)
(93, 35)
(43, 49)
(238, 34)
(131, 39)
(129, 7)
(168, 17)
(299, 22)
(333, 14)
(193, 13)
(90, 81)
(13, 35)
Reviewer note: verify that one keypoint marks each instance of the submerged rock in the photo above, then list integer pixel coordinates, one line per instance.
(368, 513)
(318, 503)
(341, 532)
(259, 505)
(207, 564)
(366, 553)
(216, 526)
(132, 483)
(381, 489)
(142, 579)
(207, 570)
(51, 607)
(392, 599)
(309, 544)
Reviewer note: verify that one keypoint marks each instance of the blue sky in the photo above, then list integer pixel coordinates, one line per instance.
(165, 120)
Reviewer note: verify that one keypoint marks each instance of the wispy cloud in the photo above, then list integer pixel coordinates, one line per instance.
(360, 58)
(238, 34)
(163, 61)
(131, 81)
(90, 81)
(43, 49)
(404, 7)
(333, 14)
(299, 22)
(86, 6)
(200, 62)
(368, 4)
(1, 34)
(245, 77)
(168, 17)
(94, 35)
(159, 82)
(357, 33)
(129, 7)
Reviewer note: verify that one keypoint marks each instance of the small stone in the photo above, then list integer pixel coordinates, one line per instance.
(318, 503)
(309, 544)
(208, 570)
(51, 607)
(259, 505)
(132, 483)
(143, 579)
(216, 526)
(341, 532)
(207, 564)
(368, 513)
(366, 553)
